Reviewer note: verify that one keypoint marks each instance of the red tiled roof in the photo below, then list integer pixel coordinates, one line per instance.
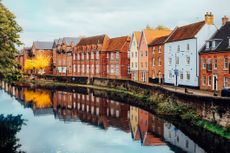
(159, 40)
(117, 43)
(186, 32)
(92, 40)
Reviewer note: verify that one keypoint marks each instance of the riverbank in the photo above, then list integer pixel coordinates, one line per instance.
(160, 104)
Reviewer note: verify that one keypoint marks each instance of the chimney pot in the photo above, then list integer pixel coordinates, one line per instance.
(209, 18)
(224, 20)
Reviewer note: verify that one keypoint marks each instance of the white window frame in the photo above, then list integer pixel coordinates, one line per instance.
(225, 82)
(225, 62)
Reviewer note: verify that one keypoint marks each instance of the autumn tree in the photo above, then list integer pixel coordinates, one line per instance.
(9, 39)
(38, 64)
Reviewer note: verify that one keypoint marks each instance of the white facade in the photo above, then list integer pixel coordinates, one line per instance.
(182, 58)
(133, 53)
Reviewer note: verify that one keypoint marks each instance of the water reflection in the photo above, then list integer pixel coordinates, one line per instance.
(144, 127)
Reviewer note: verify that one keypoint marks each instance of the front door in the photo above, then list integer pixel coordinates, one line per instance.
(215, 80)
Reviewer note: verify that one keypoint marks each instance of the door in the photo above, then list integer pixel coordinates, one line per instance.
(215, 83)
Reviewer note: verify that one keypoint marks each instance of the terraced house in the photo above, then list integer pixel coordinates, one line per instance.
(146, 38)
(90, 57)
(181, 55)
(63, 55)
(133, 55)
(215, 60)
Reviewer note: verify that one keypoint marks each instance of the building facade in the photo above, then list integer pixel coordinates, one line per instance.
(63, 56)
(215, 60)
(133, 55)
(146, 38)
(156, 60)
(181, 55)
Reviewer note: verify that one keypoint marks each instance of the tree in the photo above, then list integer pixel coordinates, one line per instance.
(9, 39)
(39, 63)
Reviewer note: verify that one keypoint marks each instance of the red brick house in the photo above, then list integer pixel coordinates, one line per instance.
(117, 57)
(63, 55)
(89, 56)
(215, 59)
(156, 59)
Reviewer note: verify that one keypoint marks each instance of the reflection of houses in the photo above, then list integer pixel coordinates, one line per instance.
(134, 122)
(179, 139)
(88, 108)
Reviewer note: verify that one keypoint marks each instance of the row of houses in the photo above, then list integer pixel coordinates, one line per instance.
(194, 55)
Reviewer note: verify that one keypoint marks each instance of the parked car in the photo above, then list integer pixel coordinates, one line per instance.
(225, 92)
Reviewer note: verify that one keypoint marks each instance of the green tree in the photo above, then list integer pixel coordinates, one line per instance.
(9, 39)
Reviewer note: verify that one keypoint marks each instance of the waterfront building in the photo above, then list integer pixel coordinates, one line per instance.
(133, 55)
(181, 55)
(146, 38)
(156, 60)
(63, 55)
(215, 60)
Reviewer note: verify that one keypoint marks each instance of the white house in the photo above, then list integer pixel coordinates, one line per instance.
(133, 55)
(181, 56)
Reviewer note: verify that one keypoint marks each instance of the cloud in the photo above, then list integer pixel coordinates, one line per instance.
(47, 20)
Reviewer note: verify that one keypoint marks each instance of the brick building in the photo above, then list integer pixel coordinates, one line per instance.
(156, 59)
(89, 56)
(63, 55)
(214, 60)
(117, 57)
(147, 36)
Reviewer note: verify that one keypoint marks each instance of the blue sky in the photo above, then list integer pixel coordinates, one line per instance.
(50, 19)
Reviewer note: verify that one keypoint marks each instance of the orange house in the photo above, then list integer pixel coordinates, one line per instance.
(147, 36)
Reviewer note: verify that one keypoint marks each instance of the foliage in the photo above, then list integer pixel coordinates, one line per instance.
(39, 62)
(9, 127)
(9, 39)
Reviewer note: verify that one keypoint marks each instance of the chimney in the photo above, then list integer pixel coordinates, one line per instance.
(224, 20)
(209, 18)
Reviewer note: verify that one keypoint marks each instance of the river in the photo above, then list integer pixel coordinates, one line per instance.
(82, 122)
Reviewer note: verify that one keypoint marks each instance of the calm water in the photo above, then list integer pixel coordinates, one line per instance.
(79, 122)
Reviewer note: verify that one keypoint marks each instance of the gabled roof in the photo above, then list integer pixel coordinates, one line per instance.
(69, 40)
(222, 35)
(151, 34)
(137, 35)
(116, 44)
(186, 32)
(43, 45)
(159, 40)
(92, 40)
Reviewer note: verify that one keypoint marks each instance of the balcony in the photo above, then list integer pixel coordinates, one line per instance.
(209, 68)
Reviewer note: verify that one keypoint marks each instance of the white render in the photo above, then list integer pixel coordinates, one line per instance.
(133, 54)
(171, 52)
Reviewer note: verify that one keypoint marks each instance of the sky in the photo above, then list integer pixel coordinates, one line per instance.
(46, 20)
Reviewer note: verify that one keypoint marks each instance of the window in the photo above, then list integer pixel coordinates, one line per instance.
(78, 68)
(117, 55)
(186, 143)
(92, 69)
(213, 44)
(92, 55)
(225, 62)
(188, 75)
(132, 54)
(135, 54)
(117, 70)
(159, 49)
(111, 56)
(204, 80)
(178, 48)
(181, 75)
(170, 74)
(97, 69)
(170, 49)
(74, 68)
(159, 61)
(146, 53)
(188, 60)
(111, 69)
(79, 56)
(82, 56)
(136, 64)
(83, 68)
(132, 65)
(215, 63)
(153, 61)
(87, 68)
(188, 47)
(204, 63)
(177, 59)
(87, 56)
(73, 56)
(97, 55)
(170, 60)
(225, 82)
(209, 80)
(107, 68)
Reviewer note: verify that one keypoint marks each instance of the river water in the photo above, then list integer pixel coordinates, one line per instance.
(81, 122)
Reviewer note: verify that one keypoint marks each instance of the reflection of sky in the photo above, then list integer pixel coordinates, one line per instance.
(48, 135)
